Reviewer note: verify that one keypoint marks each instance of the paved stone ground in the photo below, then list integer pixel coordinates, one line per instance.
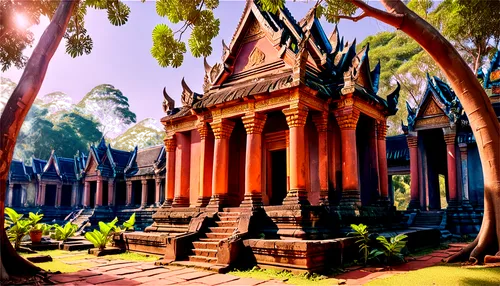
(125, 273)
(363, 275)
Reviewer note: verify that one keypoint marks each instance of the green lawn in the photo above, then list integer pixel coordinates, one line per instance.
(285, 276)
(444, 275)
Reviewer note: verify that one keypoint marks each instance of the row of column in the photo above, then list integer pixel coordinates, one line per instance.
(449, 138)
(214, 169)
(10, 195)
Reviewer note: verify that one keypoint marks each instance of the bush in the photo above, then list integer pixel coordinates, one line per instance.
(63, 233)
(19, 227)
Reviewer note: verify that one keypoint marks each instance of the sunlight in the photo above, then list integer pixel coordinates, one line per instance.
(21, 20)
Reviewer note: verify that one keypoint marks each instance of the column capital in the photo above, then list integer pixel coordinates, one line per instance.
(463, 147)
(321, 121)
(144, 182)
(222, 128)
(296, 116)
(381, 130)
(202, 129)
(170, 144)
(129, 183)
(158, 180)
(347, 119)
(412, 141)
(254, 122)
(449, 138)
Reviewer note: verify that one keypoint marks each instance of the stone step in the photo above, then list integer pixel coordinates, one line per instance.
(227, 223)
(205, 244)
(228, 218)
(195, 258)
(233, 214)
(205, 252)
(221, 229)
(217, 235)
(206, 239)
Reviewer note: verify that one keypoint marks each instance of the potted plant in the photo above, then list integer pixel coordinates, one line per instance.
(37, 228)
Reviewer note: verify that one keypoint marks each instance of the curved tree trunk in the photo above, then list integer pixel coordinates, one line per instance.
(12, 118)
(478, 108)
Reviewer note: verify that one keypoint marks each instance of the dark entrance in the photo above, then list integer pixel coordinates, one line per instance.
(17, 194)
(66, 195)
(434, 164)
(136, 193)
(151, 192)
(278, 177)
(93, 189)
(50, 195)
(105, 193)
(120, 193)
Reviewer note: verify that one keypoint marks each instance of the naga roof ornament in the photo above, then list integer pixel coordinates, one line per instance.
(188, 97)
(335, 40)
(393, 98)
(168, 103)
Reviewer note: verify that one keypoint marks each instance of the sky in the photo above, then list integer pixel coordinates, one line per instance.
(121, 55)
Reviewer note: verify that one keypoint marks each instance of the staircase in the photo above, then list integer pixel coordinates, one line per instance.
(205, 249)
(82, 218)
(432, 219)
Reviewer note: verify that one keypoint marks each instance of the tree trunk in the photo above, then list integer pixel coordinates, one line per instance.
(478, 108)
(12, 118)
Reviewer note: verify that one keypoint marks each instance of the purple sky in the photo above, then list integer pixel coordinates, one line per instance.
(121, 56)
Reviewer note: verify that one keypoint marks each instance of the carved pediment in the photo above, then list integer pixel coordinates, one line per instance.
(255, 58)
(432, 108)
(254, 31)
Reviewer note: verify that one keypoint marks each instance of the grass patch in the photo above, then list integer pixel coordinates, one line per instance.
(58, 265)
(286, 276)
(444, 275)
(133, 256)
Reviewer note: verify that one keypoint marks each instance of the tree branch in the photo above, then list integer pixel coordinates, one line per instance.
(354, 19)
(393, 19)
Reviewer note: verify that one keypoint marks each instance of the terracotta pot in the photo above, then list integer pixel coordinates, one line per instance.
(36, 236)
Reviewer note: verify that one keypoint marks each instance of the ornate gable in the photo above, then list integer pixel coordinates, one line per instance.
(431, 107)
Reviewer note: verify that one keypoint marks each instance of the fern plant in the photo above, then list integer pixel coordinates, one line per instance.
(360, 232)
(63, 233)
(100, 238)
(391, 248)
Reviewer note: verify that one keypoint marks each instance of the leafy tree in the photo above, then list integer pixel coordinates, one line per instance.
(108, 106)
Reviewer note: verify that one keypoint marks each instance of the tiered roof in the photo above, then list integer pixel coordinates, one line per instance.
(19, 172)
(148, 161)
(269, 52)
(110, 162)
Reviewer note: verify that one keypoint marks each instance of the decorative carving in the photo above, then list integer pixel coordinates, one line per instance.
(321, 121)
(215, 71)
(348, 120)
(254, 122)
(296, 116)
(381, 130)
(255, 58)
(234, 110)
(168, 102)
(432, 121)
(254, 29)
(272, 102)
(203, 130)
(432, 108)
(449, 136)
(412, 141)
(222, 128)
(170, 144)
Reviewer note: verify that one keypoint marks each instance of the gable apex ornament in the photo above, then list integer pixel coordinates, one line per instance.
(255, 58)
(168, 103)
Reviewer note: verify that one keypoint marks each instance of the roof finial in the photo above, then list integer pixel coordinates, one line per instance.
(168, 102)
(187, 94)
(207, 66)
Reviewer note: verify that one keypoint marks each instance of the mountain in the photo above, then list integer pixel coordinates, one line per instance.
(6, 88)
(56, 101)
(144, 134)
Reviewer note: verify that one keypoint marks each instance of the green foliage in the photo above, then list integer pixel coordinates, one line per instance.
(195, 15)
(401, 185)
(391, 248)
(19, 227)
(130, 223)
(63, 233)
(360, 232)
(272, 5)
(100, 238)
(15, 38)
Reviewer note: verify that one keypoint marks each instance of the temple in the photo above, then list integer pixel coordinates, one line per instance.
(277, 143)
(438, 142)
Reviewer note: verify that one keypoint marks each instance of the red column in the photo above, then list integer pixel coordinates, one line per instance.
(58, 194)
(129, 193)
(321, 122)
(414, 177)
(347, 120)
(206, 164)
(86, 194)
(383, 175)
(449, 138)
(296, 120)
(222, 129)
(98, 193)
(111, 193)
(170, 146)
(182, 172)
(144, 193)
(254, 124)
(157, 191)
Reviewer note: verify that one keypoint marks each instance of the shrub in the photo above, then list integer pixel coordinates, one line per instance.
(63, 233)
(391, 248)
(19, 227)
(360, 232)
(101, 237)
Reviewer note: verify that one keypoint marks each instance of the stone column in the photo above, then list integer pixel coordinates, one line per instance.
(111, 193)
(98, 193)
(206, 165)
(182, 170)
(321, 122)
(170, 146)
(287, 143)
(347, 120)
(449, 138)
(412, 141)
(157, 191)
(74, 195)
(10, 195)
(465, 176)
(144, 193)
(254, 124)
(24, 195)
(86, 194)
(222, 129)
(383, 175)
(128, 199)
(58, 194)
(296, 119)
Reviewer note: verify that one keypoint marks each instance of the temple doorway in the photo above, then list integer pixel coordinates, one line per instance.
(66, 195)
(136, 193)
(151, 192)
(278, 177)
(17, 194)
(434, 166)
(367, 159)
(105, 193)
(50, 195)
(120, 193)
(93, 189)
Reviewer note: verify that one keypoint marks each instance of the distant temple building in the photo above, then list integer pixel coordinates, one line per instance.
(438, 141)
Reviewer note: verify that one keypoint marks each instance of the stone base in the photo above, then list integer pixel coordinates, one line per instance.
(351, 199)
(252, 201)
(105, 251)
(296, 197)
(180, 202)
(217, 202)
(145, 242)
(202, 202)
